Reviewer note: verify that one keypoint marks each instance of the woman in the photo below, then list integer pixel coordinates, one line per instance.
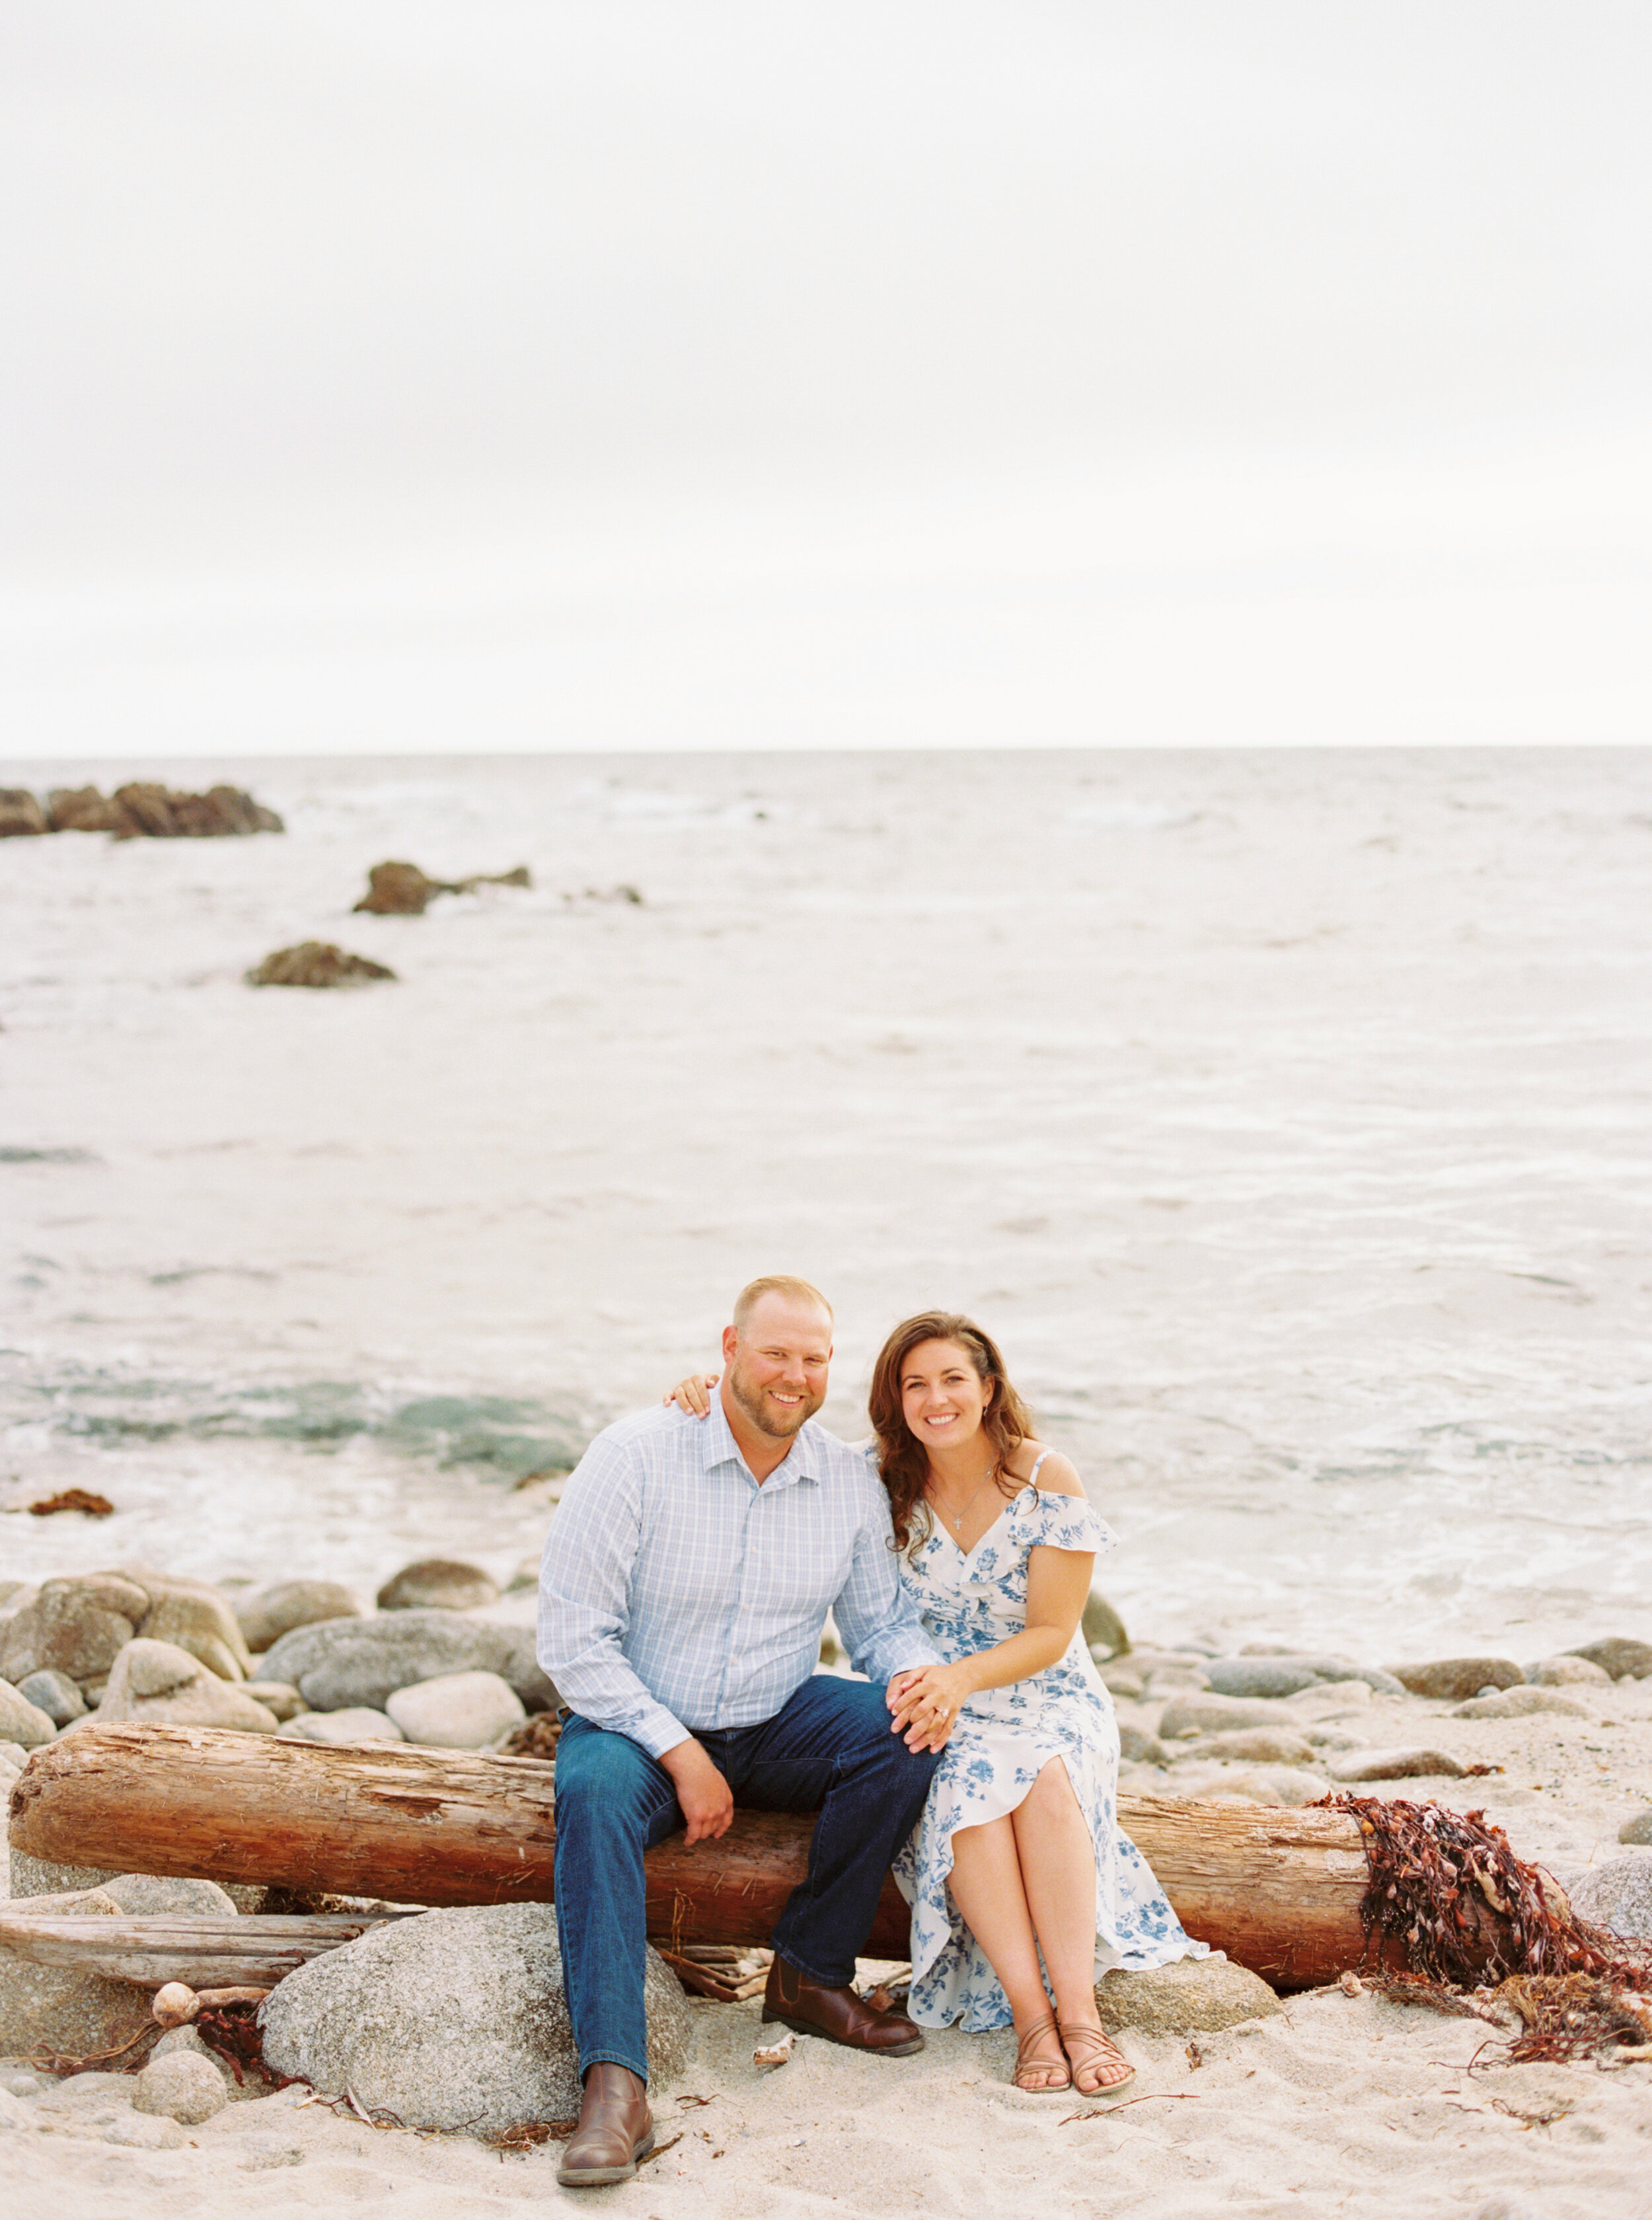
(1019, 1853)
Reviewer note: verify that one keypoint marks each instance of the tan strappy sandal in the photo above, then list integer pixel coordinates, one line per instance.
(1025, 2063)
(1088, 2050)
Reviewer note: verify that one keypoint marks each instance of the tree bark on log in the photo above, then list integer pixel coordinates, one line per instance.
(205, 1953)
(1278, 1890)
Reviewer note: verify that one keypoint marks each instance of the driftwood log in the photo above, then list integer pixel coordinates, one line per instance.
(155, 1949)
(1278, 1890)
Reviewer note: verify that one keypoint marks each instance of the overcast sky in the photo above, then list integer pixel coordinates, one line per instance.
(339, 287)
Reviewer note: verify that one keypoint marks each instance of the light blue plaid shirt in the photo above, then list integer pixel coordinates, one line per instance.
(677, 1594)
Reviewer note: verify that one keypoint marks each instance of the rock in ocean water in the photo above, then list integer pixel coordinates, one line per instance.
(453, 2020)
(1194, 1996)
(1451, 1680)
(21, 815)
(1617, 1895)
(363, 1661)
(456, 1711)
(160, 1683)
(438, 1584)
(271, 1612)
(317, 963)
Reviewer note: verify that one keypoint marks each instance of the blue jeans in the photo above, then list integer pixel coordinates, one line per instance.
(829, 1746)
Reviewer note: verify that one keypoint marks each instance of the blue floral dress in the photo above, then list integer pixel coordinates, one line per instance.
(1003, 1739)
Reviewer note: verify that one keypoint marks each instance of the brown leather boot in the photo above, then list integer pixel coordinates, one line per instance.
(838, 2014)
(615, 2130)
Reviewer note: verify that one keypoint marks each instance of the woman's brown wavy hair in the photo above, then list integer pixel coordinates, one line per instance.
(902, 1459)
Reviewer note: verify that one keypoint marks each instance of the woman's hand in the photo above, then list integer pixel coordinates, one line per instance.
(926, 1703)
(694, 1394)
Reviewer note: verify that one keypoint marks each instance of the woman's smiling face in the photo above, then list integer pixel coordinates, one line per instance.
(942, 1397)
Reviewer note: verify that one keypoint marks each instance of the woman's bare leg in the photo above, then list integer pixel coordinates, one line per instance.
(1056, 1861)
(986, 1887)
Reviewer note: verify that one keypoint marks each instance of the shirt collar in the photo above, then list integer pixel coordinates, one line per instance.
(801, 1461)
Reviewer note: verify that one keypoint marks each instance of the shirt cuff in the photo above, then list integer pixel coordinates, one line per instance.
(656, 1731)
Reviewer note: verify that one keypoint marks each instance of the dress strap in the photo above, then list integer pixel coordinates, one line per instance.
(1031, 1480)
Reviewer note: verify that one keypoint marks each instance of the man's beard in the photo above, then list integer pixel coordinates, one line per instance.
(779, 1426)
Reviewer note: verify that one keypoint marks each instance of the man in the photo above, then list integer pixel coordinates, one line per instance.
(684, 1585)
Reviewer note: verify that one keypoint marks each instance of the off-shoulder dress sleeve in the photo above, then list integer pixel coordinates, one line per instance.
(1041, 1520)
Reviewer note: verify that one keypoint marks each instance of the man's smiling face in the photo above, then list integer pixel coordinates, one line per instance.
(778, 1362)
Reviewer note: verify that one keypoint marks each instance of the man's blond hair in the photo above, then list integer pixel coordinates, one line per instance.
(777, 1283)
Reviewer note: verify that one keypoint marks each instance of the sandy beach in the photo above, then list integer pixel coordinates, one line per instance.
(1284, 1117)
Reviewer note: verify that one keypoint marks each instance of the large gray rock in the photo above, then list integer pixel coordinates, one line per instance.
(55, 1694)
(1254, 1746)
(275, 1611)
(1625, 1660)
(1292, 1784)
(453, 2020)
(54, 2011)
(78, 1627)
(1617, 1895)
(183, 2086)
(160, 1684)
(438, 1584)
(456, 1711)
(1196, 1713)
(1358, 1765)
(1192, 1996)
(1520, 1703)
(1567, 1673)
(192, 1616)
(362, 1660)
(21, 1722)
(37, 1877)
(142, 1896)
(1450, 1680)
(1287, 1676)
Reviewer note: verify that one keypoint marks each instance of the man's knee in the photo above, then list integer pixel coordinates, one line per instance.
(607, 1778)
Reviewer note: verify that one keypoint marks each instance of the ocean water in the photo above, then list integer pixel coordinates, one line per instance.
(1287, 1117)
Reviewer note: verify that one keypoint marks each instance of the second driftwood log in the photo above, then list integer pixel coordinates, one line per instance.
(1278, 1890)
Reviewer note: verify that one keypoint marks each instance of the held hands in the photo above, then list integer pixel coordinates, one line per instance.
(694, 1396)
(707, 1800)
(926, 1704)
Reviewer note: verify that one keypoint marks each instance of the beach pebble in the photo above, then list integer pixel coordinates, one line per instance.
(1451, 1680)
(1568, 1673)
(21, 1722)
(1521, 1703)
(192, 1616)
(453, 2020)
(1395, 1765)
(1276, 1784)
(278, 1697)
(1624, 1659)
(356, 1722)
(1136, 1748)
(55, 1694)
(362, 1660)
(1121, 1675)
(74, 1626)
(438, 1584)
(152, 1896)
(1103, 1628)
(13, 1756)
(1327, 1696)
(456, 1711)
(1198, 1714)
(161, 1684)
(270, 1612)
(1258, 1745)
(183, 2085)
(1285, 1676)
(18, 2081)
(137, 2132)
(1617, 1895)
(1637, 1829)
(1191, 1996)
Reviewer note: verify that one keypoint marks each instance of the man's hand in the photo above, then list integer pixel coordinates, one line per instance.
(707, 1800)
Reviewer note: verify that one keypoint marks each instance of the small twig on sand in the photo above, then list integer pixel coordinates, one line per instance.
(1153, 2097)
